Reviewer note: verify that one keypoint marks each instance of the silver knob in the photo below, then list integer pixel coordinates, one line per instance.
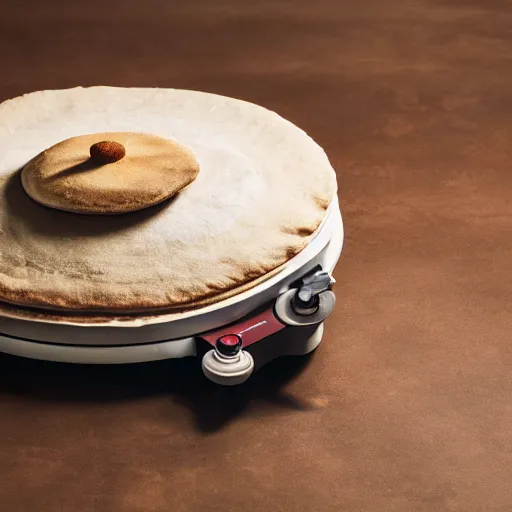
(314, 284)
(309, 304)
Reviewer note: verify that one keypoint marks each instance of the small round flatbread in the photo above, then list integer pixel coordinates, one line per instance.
(151, 170)
(263, 189)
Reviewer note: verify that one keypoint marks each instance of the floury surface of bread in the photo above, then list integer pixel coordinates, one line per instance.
(152, 170)
(263, 189)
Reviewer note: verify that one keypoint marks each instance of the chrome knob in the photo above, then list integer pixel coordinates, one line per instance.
(308, 304)
(306, 301)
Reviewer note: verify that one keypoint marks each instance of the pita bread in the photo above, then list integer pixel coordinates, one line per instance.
(66, 177)
(263, 189)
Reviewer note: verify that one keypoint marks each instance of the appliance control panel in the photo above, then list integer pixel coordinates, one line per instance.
(247, 331)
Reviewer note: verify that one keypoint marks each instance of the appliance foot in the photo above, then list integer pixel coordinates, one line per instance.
(227, 371)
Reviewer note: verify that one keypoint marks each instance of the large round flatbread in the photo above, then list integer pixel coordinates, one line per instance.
(263, 189)
(152, 170)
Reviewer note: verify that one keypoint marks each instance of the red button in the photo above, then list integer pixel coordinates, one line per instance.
(230, 340)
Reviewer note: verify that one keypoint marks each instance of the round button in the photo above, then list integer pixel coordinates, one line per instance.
(229, 344)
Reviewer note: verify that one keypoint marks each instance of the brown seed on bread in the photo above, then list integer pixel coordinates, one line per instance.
(107, 152)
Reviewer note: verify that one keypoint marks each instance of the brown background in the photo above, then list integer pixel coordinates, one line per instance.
(407, 404)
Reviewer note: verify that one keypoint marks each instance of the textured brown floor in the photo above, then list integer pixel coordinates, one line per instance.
(407, 405)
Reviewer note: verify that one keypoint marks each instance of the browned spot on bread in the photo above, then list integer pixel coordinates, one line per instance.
(322, 202)
(302, 231)
(290, 252)
(253, 273)
(305, 231)
(107, 152)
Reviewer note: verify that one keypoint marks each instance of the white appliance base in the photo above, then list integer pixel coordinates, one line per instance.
(117, 354)
(290, 341)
